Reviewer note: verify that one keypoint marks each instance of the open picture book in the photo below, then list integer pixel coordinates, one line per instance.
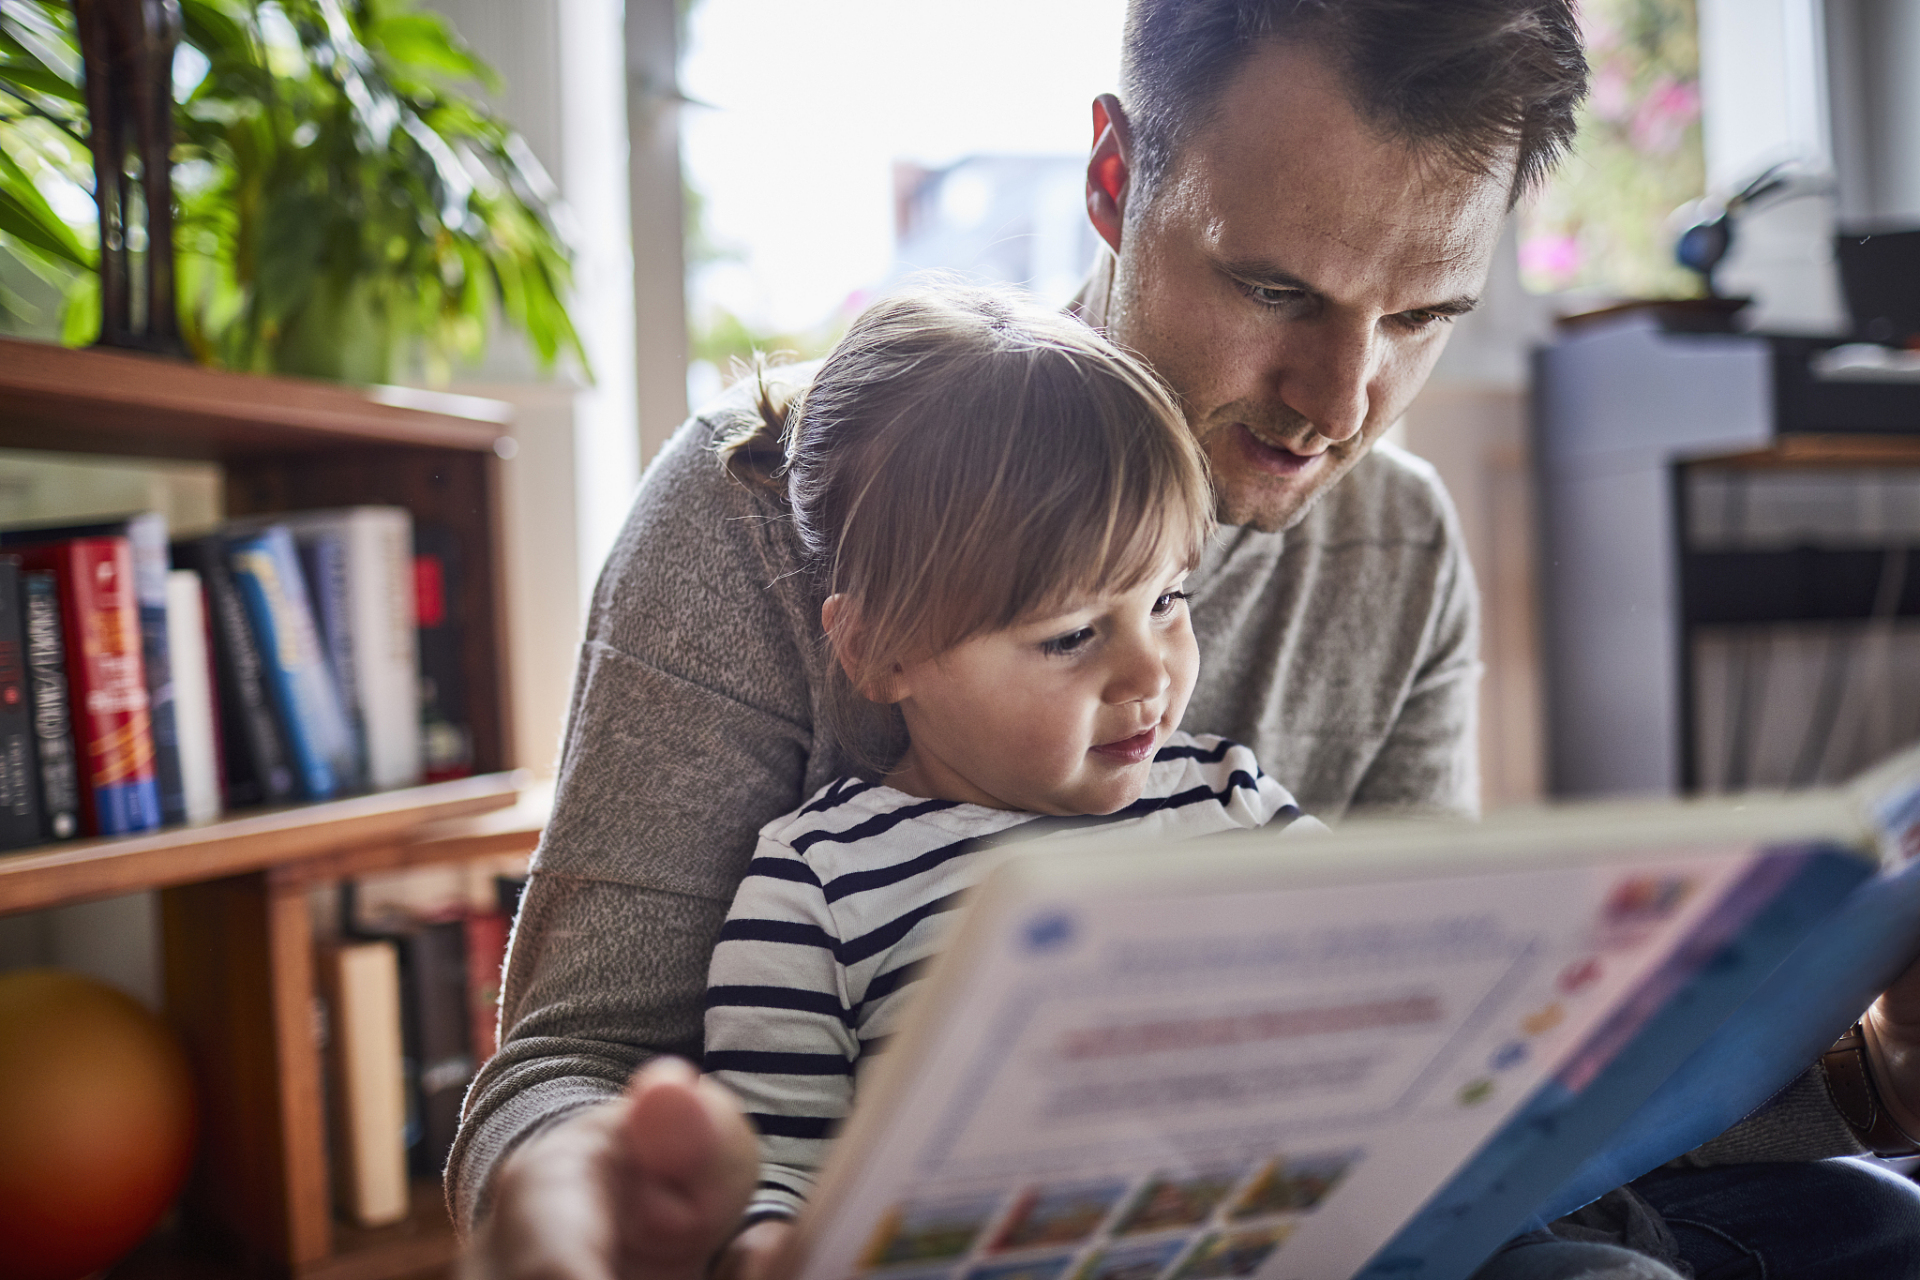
(1379, 1052)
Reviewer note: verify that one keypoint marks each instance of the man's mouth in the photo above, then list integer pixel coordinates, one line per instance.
(1273, 459)
(1130, 750)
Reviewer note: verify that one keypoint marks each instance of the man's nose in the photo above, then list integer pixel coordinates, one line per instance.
(1325, 373)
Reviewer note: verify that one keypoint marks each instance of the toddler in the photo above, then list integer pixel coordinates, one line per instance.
(1001, 509)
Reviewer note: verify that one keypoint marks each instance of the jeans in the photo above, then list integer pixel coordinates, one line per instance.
(1817, 1220)
(1537, 1257)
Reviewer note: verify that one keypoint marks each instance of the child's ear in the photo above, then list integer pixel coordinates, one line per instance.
(840, 619)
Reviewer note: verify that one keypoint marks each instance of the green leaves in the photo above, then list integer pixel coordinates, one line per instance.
(26, 216)
(345, 206)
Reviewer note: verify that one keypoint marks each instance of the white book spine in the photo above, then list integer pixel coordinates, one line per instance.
(194, 712)
(371, 1101)
(380, 569)
(386, 646)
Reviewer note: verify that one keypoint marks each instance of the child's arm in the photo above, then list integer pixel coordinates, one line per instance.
(781, 1023)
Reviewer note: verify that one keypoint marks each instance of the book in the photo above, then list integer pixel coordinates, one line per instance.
(1381, 1052)
(368, 1111)
(146, 535)
(363, 583)
(19, 786)
(195, 714)
(323, 560)
(266, 573)
(56, 761)
(258, 770)
(106, 681)
(433, 1001)
(446, 735)
(486, 946)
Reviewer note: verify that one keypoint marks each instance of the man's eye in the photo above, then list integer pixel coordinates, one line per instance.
(1165, 604)
(1068, 643)
(1270, 295)
(1424, 319)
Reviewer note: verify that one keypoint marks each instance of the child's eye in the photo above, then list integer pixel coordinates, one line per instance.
(1164, 605)
(1067, 643)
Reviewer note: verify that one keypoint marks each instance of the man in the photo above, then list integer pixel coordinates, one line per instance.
(1297, 197)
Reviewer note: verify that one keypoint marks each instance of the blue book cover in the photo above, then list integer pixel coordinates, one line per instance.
(1610, 1099)
(1381, 1052)
(266, 571)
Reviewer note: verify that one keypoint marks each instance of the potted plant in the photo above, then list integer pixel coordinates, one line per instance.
(345, 206)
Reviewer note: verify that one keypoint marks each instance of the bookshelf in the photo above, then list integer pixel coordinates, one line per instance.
(236, 933)
(1628, 420)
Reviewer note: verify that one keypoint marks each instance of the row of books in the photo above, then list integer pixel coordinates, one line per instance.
(145, 682)
(410, 979)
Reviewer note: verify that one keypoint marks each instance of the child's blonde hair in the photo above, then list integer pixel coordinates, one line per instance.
(964, 459)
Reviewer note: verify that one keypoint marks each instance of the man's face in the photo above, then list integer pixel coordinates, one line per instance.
(1294, 278)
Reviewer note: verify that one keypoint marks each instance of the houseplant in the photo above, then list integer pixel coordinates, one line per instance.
(346, 206)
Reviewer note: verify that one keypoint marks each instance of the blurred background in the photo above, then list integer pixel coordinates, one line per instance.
(1682, 430)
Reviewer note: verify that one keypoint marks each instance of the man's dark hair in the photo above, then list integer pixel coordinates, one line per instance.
(1475, 79)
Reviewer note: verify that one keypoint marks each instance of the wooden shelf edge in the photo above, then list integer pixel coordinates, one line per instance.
(423, 1242)
(512, 830)
(1820, 450)
(54, 875)
(96, 401)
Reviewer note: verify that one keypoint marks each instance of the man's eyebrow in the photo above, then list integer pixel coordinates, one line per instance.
(1265, 276)
(1451, 307)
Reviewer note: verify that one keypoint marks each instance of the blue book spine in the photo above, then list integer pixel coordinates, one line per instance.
(324, 559)
(147, 534)
(266, 571)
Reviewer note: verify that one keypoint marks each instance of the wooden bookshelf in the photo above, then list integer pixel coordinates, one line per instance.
(339, 835)
(236, 931)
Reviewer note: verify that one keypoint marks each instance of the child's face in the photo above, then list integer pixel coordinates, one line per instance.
(1059, 714)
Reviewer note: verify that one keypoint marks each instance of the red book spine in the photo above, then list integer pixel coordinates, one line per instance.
(106, 682)
(486, 956)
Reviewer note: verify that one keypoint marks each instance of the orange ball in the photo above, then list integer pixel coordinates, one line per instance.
(96, 1124)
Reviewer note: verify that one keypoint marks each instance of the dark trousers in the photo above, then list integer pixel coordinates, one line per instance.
(1818, 1220)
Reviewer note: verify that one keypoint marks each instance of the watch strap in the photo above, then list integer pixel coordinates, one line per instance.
(1851, 1085)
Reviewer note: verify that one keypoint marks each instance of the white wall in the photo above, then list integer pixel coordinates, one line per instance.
(567, 490)
(1873, 49)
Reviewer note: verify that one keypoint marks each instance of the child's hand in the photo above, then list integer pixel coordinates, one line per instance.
(646, 1187)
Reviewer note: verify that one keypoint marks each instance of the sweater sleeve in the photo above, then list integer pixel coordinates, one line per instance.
(780, 1023)
(690, 728)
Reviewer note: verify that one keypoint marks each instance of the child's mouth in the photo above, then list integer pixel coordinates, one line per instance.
(1130, 750)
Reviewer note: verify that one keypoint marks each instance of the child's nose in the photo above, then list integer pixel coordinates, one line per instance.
(1140, 673)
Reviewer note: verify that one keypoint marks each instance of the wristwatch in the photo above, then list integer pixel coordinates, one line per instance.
(1851, 1086)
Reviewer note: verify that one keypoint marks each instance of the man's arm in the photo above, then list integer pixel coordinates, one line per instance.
(690, 729)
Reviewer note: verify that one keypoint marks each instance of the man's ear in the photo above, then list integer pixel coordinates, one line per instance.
(1109, 169)
(840, 619)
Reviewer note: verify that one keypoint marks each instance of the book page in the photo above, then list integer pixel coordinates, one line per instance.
(1249, 1081)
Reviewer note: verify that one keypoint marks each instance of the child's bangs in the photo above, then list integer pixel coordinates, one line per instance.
(1025, 545)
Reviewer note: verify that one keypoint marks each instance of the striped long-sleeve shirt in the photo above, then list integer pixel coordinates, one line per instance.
(848, 895)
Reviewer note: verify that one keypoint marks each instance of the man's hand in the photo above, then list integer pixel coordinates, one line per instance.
(1893, 1049)
(755, 1252)
(646, 1187)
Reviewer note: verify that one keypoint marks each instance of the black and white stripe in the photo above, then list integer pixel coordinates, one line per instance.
(845, 900)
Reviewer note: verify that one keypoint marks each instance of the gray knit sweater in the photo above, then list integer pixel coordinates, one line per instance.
(1344, 652)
